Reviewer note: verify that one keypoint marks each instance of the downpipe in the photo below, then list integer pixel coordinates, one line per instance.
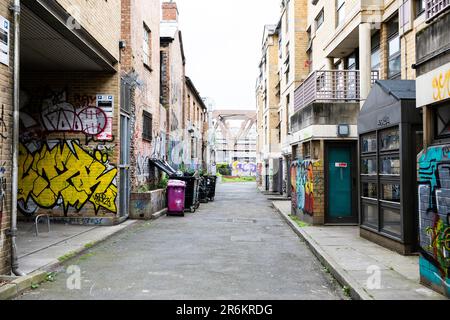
(15, 179)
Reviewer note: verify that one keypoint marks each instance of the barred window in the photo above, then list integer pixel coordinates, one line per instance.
(147, 126)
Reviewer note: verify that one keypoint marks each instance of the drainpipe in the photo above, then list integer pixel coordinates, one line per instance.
(14, 185)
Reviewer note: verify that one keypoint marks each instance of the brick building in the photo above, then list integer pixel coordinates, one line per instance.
(268, 98)
(6, 132)
(185, 110)
(140, 79)
(195, 125)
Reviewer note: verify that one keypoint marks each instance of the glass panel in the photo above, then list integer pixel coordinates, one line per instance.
(369, 143)
(390, 165)
(391, 221)
(395, 65)
(390, 139)
(370, 214)
(391, 192)
(369, 166)
(369, 190)
(394, 46)
(442, 115)
(376, 59)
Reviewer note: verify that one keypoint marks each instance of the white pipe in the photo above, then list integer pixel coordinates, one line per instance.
(14, 185)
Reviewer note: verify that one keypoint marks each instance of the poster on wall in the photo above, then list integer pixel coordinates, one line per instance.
(4, 41)
(106, 104)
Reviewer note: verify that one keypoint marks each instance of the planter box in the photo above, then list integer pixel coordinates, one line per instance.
(144, 205)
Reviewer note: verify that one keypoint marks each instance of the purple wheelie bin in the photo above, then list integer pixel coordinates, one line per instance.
(176, 191)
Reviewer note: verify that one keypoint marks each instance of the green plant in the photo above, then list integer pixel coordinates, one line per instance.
(66, 257)
(50, 277)
(34, 286)
(299, 222)
(346, 291)
(224, 169)
(89, 245)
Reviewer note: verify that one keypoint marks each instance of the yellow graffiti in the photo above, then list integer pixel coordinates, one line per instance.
(68, 174)
(441, 86)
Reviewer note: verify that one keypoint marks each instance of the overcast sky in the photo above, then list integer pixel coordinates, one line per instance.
(222, 40)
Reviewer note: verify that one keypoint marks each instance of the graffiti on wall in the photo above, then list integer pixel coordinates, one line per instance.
(303, 181)
(57, 115)
(159, 146)
(2, 192)
(65, 174)
(3, 127)
(143, 168)
(243, 169)
(434, 215)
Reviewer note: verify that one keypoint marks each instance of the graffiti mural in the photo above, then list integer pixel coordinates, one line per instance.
(67, 175)
(303, 182)
(434, 216)
(243, 169)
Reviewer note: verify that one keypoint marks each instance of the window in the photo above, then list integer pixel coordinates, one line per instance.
(390, 192)
(442, 121)
(147, 47)
(147, 126)
(369, 190)
(319, 20)
(390, 139)
(369, 166)
(390, 165)
(420, 7)
(369, 143)
(370, 214)
(391, 221)
(394, 63)
(340, 11)
(376, 52)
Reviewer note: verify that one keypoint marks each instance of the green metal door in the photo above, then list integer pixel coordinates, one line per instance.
(339, 183)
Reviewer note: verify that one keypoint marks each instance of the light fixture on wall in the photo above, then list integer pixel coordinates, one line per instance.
(343, 130)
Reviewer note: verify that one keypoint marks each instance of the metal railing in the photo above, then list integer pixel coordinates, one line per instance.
(328, 86)
(435, 8)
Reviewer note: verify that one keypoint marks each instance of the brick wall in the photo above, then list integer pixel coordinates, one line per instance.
(6, 107)
(135, 15)
(66, 181)
(101, 18)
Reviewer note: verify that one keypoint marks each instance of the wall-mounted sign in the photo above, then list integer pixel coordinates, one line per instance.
(5, 29)
(433, 86)
(341, 165)
(106, 103)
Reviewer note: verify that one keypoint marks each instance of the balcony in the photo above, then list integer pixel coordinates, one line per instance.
(330, 86)
(435, 8)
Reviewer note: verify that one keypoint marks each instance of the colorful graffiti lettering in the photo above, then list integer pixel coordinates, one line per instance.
(64, 117)
(434, 214)
(66, 173)
(243, 169)
(303, 181)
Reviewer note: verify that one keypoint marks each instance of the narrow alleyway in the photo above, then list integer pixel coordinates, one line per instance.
(234, 248)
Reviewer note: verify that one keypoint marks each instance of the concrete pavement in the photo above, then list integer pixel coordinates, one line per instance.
(355, 261)
(234, 248)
